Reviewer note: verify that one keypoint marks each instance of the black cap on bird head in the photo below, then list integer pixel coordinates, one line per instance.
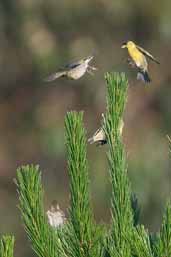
(124, 45)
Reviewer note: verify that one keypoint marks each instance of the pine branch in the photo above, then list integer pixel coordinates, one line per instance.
(7, 246)
(140, 242)
(122, 217)
(163, 245)
(80, 236)
(83, 237)
(44, 239)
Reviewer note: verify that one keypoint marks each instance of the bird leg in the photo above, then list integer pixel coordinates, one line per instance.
(92, 67)
(90, 72)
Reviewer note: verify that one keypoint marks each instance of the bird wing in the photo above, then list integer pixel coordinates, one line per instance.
(72, 65)
(76, 64)
(143, 51)
(97, 136)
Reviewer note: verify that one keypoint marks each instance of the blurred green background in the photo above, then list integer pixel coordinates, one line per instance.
(37, 37)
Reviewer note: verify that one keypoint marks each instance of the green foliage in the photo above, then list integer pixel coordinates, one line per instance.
(163, 245)
(80, 211)
(80, 236)
(140, 242)
(117, 85)
(84, 234)
(43, 238)
(6, 246)
(122, 217)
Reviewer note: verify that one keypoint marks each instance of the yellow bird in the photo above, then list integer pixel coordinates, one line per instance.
(138, 56)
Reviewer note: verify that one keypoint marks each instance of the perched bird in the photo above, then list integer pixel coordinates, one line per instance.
(99, 136)
(138, 60)
(55, 215)
(73, 70)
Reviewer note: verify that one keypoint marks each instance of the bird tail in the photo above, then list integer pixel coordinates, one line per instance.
(144, 76)
(55, 76)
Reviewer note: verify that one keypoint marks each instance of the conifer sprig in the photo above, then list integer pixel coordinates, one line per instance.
(122, 217)
(140, 242)
(43, 238)
(6, 246)
(80, 236)
(83, 234)
(163, 245)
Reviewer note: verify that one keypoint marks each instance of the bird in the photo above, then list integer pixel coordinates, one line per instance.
(73, 70)
(99, 136)
(138, 59)
(56, 217)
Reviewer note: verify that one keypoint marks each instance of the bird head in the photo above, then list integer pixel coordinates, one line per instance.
(88, 59)
(128, 44)
(124, 45)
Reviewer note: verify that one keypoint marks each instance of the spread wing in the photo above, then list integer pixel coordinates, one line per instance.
(72, 65)
(76, 64)
(143, 51)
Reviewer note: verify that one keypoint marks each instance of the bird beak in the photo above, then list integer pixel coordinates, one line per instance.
(124, 45)
(88, 59)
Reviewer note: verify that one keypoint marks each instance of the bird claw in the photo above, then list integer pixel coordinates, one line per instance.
(92, 67)
(90, 72)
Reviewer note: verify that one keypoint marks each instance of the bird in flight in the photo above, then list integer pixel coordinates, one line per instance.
(73, 70)
(138, 59)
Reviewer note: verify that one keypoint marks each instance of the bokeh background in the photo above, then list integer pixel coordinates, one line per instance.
(37, 37)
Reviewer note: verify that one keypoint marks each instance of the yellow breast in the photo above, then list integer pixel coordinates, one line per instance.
(137, 56)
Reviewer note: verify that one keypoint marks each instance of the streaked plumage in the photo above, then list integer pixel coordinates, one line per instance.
(99, 136)
(138, 59)
(73, 70)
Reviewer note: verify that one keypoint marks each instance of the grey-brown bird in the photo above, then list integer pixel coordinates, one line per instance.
(73, 70)
(56, 217)
(99, 136)
(138, 59)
